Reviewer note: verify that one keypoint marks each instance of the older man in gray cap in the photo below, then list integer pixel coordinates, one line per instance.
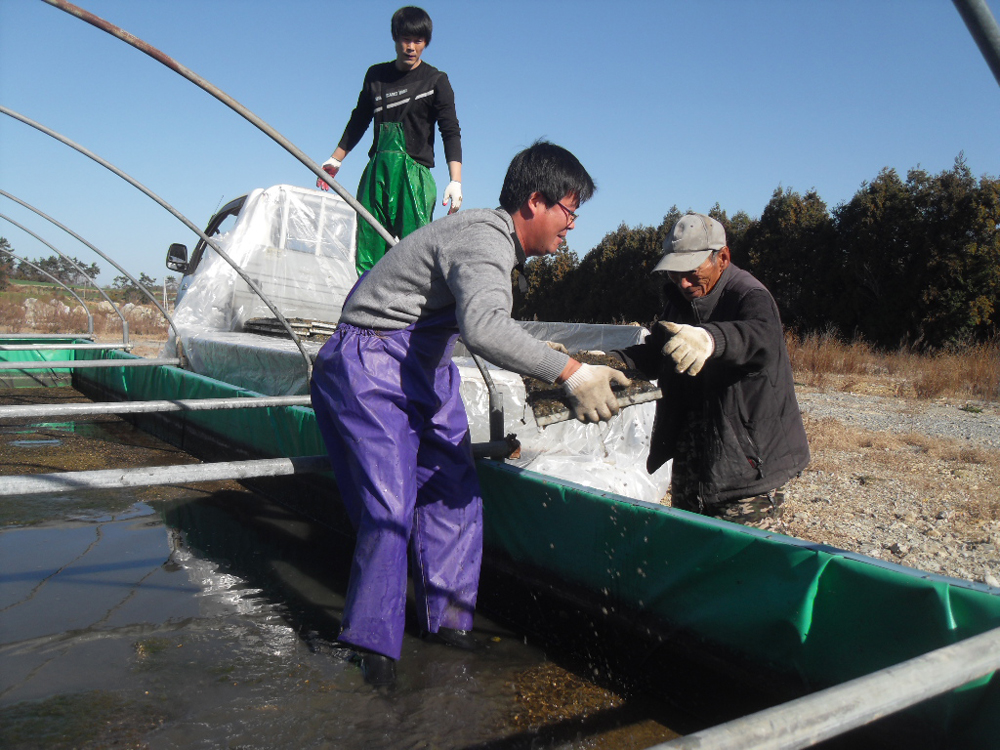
(728, 417)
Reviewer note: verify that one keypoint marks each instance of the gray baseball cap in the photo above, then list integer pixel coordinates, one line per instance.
(690, 242)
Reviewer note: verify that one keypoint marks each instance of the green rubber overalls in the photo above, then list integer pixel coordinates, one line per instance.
(398, 191)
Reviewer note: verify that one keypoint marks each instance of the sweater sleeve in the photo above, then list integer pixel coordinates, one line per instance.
(477, 266)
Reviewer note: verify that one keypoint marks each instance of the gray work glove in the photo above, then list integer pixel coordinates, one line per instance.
(590, 394)
(688, 347)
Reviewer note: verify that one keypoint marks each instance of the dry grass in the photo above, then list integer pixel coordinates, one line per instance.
(935, 467)
(824, 361)
(818, 360)
(44, 317)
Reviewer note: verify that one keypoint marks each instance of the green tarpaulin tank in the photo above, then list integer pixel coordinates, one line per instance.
(715, 616)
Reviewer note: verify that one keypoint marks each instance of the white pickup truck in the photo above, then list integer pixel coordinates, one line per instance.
(298, 246)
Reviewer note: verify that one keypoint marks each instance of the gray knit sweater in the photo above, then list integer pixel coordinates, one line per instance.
(462, 260)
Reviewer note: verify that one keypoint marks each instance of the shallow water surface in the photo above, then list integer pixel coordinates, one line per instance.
(206, 616)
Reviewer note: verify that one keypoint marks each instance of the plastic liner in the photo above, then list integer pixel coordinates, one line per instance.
(608, 456)
(36, 378)
(803, 610)
(810, 612)
(297, 244)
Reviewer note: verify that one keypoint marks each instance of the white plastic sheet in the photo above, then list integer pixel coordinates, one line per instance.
(296, 244)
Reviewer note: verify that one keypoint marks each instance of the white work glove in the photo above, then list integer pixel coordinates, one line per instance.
(557, 346)
(590, 394)
(453, 193)
(331, 166)
(688, 347)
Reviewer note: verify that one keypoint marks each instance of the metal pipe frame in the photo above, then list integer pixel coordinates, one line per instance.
(46, 411)
(79, 270)
(90, 316)
(75, 481)
(60, 347)
(44, 484)
(169, 62)
(70, 364)
(828, 713)
(187, 222)
(63, 336)
(77, 237)
(983, 27)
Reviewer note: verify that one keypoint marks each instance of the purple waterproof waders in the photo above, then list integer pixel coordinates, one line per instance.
(388, 407)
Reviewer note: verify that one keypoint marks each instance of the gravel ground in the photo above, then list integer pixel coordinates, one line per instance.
(899, 479)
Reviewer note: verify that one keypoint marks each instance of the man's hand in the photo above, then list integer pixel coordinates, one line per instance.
(331, 166)
(589, 391)
(453, 193)
(688, 347)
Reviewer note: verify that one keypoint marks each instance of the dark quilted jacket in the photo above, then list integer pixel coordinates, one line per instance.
(756, 438)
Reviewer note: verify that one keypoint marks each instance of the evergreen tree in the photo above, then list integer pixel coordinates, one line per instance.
(6, 263)
(959, 247)
(546, 276)
(790, 249)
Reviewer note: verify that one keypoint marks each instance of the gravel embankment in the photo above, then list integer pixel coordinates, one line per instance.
(902, 480)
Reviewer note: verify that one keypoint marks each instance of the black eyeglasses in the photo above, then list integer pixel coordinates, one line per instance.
(572, 216)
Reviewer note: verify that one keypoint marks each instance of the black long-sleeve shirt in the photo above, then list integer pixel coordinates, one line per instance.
(418, 98)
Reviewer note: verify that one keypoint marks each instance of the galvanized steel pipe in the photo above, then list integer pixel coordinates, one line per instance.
(69, 364)
(77, 237)
(75, 481)
(54, 336)
(983, 27)
(90, 316)
(60, 347)
(226, 99)
(806, 721)
(80, 271)
(190, 225)
(43, 484)
(46, 411)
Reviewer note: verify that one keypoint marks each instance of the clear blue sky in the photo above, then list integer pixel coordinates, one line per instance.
(665, 102)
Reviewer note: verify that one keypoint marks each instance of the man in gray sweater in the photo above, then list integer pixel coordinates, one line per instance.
(386, 397)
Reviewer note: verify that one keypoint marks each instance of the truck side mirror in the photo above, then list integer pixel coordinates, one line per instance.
(177, 257)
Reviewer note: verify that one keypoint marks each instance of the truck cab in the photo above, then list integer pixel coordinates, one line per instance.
(296, 244)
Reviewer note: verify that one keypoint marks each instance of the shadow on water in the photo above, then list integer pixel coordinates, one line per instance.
(300, 564)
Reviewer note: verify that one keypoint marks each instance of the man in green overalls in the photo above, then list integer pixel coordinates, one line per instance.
(405, 97)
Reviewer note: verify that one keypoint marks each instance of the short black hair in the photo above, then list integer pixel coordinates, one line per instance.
(412, 21)
(548, 169)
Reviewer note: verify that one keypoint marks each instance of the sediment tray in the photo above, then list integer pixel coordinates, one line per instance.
(549, 403)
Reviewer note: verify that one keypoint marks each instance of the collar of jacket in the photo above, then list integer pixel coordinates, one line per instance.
(703, 307)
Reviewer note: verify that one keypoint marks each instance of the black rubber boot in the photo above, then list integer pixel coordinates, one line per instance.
(463, 639)
(378, 670)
